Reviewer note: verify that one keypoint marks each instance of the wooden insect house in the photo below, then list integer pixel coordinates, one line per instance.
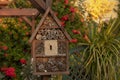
(50, 46)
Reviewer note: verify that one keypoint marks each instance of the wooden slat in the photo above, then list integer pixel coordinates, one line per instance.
(27, 21)
(39, 25)
(59, 55)
(40, 3)
(18, 12)
(49, 3)
(35, 4)
(50, 73)
(4, 3)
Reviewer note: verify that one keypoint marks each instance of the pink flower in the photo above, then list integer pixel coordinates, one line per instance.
(72, 9)
(22, 61)
(66, 2)
(10, 72)
(65, 18)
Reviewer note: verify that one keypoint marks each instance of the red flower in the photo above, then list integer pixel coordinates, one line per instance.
(65, 17)
(66, 2)
(76, 31)
(10, 72)
(3, 69)
(4, 48)
(86, 38)
(22, 61)
(5, 54)
(72, 9)
(62, 23)
(56, 13)
(74, 40)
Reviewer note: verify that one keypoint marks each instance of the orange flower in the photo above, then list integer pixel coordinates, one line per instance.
(86, 38)
(1, 20)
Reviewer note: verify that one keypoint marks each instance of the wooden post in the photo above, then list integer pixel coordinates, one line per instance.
(46, 77)
(33, 28)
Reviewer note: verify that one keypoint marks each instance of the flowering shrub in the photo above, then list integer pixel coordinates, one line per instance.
(14, 35)
(14, 49)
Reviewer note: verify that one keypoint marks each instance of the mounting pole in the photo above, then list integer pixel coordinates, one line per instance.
(46, 77)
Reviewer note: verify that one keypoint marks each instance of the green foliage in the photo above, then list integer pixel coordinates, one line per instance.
(102, 55)
(95, 53)
(14, 35)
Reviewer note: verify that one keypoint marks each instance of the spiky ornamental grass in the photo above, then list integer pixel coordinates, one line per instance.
(101, 56)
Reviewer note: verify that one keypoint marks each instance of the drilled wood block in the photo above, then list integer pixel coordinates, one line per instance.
(50, 34)
(51, 64)
(51, 47)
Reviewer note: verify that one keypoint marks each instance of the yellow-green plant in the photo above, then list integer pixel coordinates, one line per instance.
(101, 55)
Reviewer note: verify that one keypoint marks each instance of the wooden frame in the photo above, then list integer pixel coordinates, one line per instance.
(18, 12)
(35, 42)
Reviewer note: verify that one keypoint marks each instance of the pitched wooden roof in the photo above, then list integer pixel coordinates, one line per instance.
(38, 4)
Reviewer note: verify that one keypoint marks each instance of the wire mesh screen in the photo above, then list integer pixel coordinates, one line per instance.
(76, 69)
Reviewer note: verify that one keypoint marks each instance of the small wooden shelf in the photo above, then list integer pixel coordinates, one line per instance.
(60, 55)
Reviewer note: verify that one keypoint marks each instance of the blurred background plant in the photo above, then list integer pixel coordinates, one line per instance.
(94, 49)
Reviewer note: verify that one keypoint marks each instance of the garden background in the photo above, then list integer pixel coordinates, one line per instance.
(94, 26)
